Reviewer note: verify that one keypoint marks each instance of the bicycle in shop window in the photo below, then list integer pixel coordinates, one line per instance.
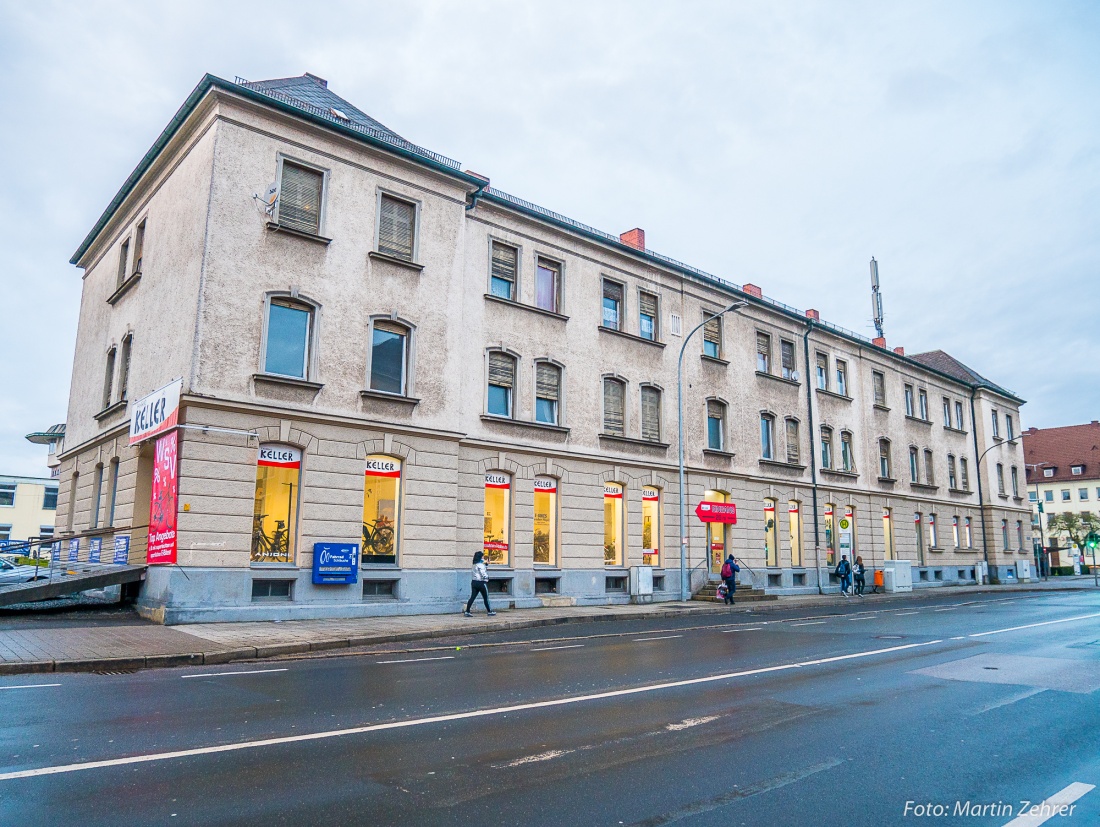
(273, 548)
(378, 541)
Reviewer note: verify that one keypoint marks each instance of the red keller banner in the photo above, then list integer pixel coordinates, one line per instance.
(164, 500)
(711, 512)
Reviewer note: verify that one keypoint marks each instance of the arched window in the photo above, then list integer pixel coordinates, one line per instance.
(614, 524)
(651, 526)
(955, 531)
(498, 518)
(794, 447)
(545, 533)
(794, 515)
(651, 413)
(830, 534)
(771, 547)
(888, 534)
(716, 425)
(547, 393)
(826, 447)
(501, 384)
(614, 406)
(288, 337)
(767, 436)
(275, 512)
(389, 357)
(884, 461)
(847, 456)
(124, 367)
(109, 379)
(381, 509)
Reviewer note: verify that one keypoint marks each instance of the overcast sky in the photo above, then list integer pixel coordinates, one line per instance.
(782, 144)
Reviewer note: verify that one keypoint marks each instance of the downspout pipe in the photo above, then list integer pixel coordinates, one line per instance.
(813, 451)
(978, 470)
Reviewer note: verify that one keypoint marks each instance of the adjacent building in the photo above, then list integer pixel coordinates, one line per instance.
(377, 347)
(1063, 475)
(27, 509)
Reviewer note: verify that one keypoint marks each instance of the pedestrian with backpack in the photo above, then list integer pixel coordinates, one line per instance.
(861, 581)
(844, 572)
(728, 575)
(479, 584)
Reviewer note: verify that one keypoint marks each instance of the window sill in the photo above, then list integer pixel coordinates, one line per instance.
(882, 408)
(1017, 500)
(954, 430)
(523, 423)
(625, 335)
(1003, 496)
(280, 228)
(1012, 440)
(716, 454)
(627, 440)
(273, 567)
(775, 378)
(365, 567)
(774, 463)
(124, 288)
(917, 419)
(390, 397)
(836, 472)
(540, 310)
(714, 360)
(890, 480)
(997, 438)
(834, 395)
(958, 491)
(400, 262)
(110, 410)
(922, 486)
(292, 381)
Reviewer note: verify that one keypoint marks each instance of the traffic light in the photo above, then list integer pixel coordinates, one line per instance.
(1093, 541)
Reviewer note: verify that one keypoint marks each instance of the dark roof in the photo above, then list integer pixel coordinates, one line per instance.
(55, 433)
(946, 363)
(1063, 448)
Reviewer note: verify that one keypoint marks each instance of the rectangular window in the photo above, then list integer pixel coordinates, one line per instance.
(909, 409)
(955, 531)
(502, 378)
(546, 521)
(1015, 475)
(275, 511)
(933, 539)
(651, 526)
(614, 400)
(498, 518)
(794, 516)
(826, 448)
(547, 392)
(712, 336)
(139, 248)
(929, 468)
(381, 508)
(49, 498)
(841, 377)
(794, 452)
(674, 324)
(124, 367)
(763, 353)
(822, 372)
(959, 421)
(1082, 493)
(952, 477)
(647, 316)
(1000, 479)
(288, 335)
(397, 228)
(1032, 497)
(716, 415)
(109, 379)
(771, 546)
(767, 437)
(996, 423)
(1065, 495)
(263, 590)
(7, 494)
(922, 398)
(613, 524)
(884, 459)
(1010, 430)
(547, 285)
(969, 533)
(1020, 534)
(847, 457)
(1004, 534)
(651, 414)
(112, 492)
(946, 412)
(1076, 470)
(830, 535)
(964, 474)
(879, 382)
(299, 205)
(786, 356)
(45, 531)
(914, 465)
(612, 304)
(1048, 496)
(888, 534)
(123, 257)
(502, 276)
(389, 349)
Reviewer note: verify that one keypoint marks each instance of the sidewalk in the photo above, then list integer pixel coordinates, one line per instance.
(136, 644)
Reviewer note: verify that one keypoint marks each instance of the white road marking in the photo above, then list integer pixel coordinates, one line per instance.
(552, 648)
(647, 639)
(1007, 701)
(750, 629)
(230, 674)
(903, 614)
(438, 719)
(946, 609)
(1033, 625)
(688, 723)
(418, 660)
(871, 617)
(31, 686)
(1052, 806)
(811, 623)
(960, 637)
(531, 759)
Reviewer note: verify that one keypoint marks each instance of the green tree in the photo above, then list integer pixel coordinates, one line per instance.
(1074, 527)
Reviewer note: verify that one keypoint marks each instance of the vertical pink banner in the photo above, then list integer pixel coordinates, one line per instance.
(163, 502)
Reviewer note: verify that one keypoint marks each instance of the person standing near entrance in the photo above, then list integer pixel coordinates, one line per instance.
(844, 572)
(861, 582)
(479, 584)
(728, 575)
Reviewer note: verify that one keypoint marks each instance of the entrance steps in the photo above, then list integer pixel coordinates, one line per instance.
(744, 594)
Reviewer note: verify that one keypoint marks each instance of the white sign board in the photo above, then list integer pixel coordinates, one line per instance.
(156, 413)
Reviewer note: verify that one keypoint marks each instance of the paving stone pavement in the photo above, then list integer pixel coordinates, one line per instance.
(133, 643)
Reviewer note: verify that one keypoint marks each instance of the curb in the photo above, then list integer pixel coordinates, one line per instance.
(247, 653)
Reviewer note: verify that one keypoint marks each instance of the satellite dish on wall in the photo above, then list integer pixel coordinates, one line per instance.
(269, 199)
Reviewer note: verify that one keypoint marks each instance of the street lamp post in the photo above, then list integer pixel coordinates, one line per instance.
(1039, 510)
(684, 590)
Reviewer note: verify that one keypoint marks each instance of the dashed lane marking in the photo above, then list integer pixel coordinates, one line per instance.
(1052, 806)
(1033, 625)
(811, 623)
(647, 639)
(553, 648)
(418, 660)
(688, 723)
(230, 674)
(31, 686)
(750, 629)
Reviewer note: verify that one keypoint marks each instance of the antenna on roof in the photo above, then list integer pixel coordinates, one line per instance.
(876, 298)
(269, 199)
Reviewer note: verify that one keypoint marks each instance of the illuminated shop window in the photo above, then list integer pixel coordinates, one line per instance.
(546, 521)
(888, 533)
(498, 518)
(651, 526)
(771, 547)
(381, 509)
(795, 515)
(830, 535)
(613, 513)
(275, 514)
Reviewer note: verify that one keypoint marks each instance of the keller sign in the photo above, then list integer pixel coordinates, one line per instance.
(156, 413)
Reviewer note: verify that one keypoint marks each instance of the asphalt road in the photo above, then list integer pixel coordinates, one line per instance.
(856, 715)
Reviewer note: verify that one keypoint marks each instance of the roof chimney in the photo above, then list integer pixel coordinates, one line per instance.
(813, 314)
(634, 238)
(752, 290)
(316, 79)
(880, 341)
(900, 351)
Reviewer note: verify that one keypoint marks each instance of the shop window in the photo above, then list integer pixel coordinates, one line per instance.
(502, 276)
(830, 535)
(795, 522)
(613, 524)
(546, 521)
(933, 534)
(289, 329)
(498, 518)
(888, 533)
(381, 509)
(716, 533)
(955, 531)
(968, 532)
(275, 514)
(651, 526)
(848, 533)
(389, 357)
(771, 547)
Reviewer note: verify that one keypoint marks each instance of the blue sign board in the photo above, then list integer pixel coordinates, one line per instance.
(122, 550)
(335, 563)
(55, 553)
(74, 549)
(95, 545)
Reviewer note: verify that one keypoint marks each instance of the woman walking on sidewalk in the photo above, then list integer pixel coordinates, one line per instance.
(479, 584)
(860, 571)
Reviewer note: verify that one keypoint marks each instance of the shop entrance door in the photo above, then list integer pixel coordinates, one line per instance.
(716, 534)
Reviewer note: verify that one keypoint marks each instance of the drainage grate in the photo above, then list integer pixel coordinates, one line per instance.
(118, 672)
